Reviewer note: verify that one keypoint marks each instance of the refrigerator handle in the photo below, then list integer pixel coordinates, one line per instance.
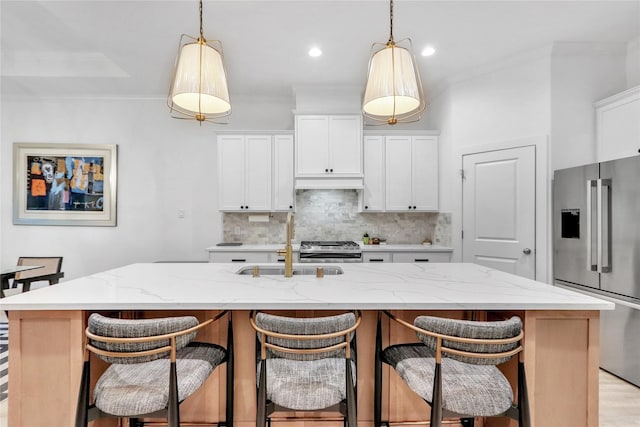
(591, 184)
(604, 226)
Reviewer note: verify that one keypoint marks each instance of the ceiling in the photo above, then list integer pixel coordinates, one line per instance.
(127, 48)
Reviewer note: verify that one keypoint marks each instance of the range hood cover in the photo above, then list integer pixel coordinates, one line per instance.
(329, 183)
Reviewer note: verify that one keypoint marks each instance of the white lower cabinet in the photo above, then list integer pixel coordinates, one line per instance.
(412, 257)
(421, 257)
(241, 257)
(250, 256)
(377, 257)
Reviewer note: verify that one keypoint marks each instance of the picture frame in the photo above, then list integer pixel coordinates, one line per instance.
(64, 184)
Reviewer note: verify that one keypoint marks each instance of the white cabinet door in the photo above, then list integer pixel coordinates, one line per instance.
(424, 168)
(398, 180)
(618, 126)
(328, 146)
(411, 173)
(231, 172)
(258, 173)
(244, 165)
(421, 257)
(372, 196)
(312, 141)
(283, 185)
(345, 145)
(239, 257)
(377, 257)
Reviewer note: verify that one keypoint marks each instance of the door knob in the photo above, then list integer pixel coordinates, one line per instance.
(526, 251)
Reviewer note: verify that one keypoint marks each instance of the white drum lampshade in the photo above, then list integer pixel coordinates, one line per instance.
(393, 86)
(199, 87)
(393, 92)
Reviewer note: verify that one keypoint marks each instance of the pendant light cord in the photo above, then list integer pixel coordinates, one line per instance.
(201, 32)
(391, 21)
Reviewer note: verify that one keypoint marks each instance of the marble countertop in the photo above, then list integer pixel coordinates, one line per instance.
(176, 286)
(365, 248)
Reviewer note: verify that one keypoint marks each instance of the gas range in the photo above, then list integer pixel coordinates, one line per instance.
(330, 251)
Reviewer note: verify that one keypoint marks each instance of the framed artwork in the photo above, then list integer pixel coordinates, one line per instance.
(64, 184)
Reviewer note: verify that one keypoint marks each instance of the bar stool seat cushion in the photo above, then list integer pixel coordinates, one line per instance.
(477, 390)
(133, 389)
(307, 385)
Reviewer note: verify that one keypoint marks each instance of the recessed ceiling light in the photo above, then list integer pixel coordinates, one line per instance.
(315, 52)
(428, 51)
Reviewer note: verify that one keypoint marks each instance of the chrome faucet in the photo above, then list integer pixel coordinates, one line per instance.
(288, 250)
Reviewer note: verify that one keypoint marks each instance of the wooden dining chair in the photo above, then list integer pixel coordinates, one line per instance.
(306, 364)
(453, 368)
(50, 271)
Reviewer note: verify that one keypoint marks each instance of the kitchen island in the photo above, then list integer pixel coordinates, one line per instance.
(561, 331)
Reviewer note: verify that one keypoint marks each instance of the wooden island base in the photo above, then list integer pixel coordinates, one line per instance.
(561, 357)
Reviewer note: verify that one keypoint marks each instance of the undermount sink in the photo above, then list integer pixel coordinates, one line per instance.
(277, 270)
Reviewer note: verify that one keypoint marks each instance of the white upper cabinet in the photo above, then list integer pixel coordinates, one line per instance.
(244, 165)
(411, 173)
(328, 146)
(283, 191)
(618, 125)
(372, 196)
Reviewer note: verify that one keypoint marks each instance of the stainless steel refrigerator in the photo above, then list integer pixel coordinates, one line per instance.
(596, 216)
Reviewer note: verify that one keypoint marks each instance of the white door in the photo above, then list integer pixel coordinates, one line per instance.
(498, 210)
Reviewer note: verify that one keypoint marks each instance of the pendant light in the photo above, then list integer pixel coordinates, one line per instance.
(393, 93)
(199, 88)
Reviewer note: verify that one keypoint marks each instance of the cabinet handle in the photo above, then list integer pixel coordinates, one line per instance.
(409, 206)
(413, 207)
(326, 170)
(290, 206)
(241, 207)
(330, 170)
(376, 260)
(280, 259)
(421, 260)
(238, 260)
(366, 207)
(247, 207)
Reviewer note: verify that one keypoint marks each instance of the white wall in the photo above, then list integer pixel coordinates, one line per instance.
(508, 102)
(633, 63)
(164, 165)
(581, 74)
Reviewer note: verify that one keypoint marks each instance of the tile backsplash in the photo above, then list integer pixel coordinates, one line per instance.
(333, 215)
